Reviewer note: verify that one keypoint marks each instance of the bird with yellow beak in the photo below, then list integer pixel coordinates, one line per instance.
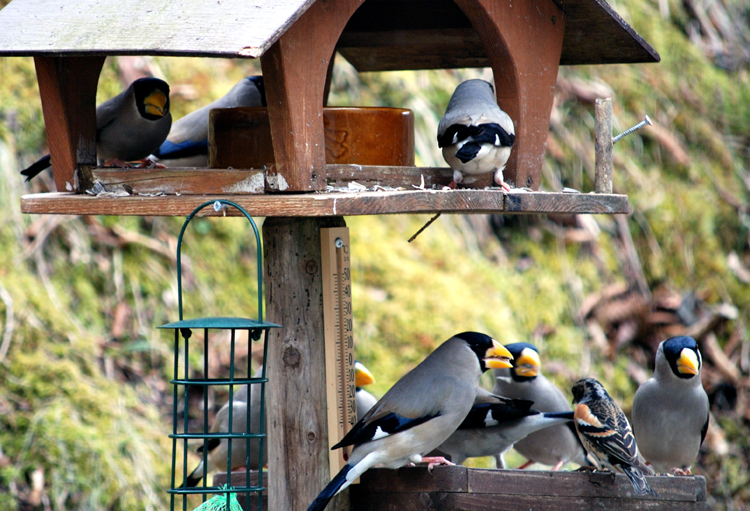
(670, 410)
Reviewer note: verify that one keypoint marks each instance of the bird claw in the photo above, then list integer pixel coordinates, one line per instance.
(435, 460)
(118, 163)
(680, 472)
(148, 163)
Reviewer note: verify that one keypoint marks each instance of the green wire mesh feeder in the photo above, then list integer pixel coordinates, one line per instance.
(253, 438)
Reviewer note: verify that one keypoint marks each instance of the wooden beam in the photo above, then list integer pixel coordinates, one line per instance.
(67, 86)
(523, 41)
(335, 203)
(296, 404)
(460, 487)
(294, 71)
(603, 146)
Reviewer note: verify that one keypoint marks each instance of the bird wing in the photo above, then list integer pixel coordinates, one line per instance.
(489, 411)
(380, 427)
(487, 133)
(607, 430)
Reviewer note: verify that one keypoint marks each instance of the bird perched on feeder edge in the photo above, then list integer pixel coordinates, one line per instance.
(494, 424)
(420, 411)
(129, 127)
(187, 142)
(605, 433)
(218, 448)
(670, 410)
(365, 400)
(475, 134)
(555, 446)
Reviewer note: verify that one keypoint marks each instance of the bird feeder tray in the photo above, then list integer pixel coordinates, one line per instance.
(336, 203)
(458, 487)
(240, 138)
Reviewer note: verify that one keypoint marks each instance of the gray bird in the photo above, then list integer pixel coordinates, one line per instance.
(605, 433)
(129, 127)
(420, 411)
(670, 410)
(218, 449)
(365, 400)
(475, 134)
(187, 143)
(494, 424)
(557, 445)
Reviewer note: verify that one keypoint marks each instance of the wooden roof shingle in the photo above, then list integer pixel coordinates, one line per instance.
(382, 34)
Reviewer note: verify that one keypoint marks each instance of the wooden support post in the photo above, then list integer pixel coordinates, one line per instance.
(298, 466)
(295, 70)
(603, 146)
(523, 41)
(67, 86)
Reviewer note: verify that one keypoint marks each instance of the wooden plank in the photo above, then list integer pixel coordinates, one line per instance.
(581, 484)
(333, 204)
(603, 146)
(176, 181)
(176, 27)
(362, 501)
(545, 202)
(296, 402)
(595, 34)
(416, 480)
(67, 87)
(196, 181)
(295, 70)
(414, 488)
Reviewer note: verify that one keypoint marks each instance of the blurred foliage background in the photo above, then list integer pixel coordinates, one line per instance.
(85, 404)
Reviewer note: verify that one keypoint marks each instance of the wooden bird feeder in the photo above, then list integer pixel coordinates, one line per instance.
(523, 41)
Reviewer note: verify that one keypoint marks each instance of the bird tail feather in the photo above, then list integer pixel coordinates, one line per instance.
(638, 480)
(321, 501)
(36, 168)
(559, 415)
(194, 478)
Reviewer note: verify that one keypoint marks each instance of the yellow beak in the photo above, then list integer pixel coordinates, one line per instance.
(155, 103)
(528, 364)
(688, 362)
(362, 376)
(497, 357)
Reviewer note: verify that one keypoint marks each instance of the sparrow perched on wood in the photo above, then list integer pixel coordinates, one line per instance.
(129, 127)
(365, 400)
(475, 134)
(494, 424)
(670, 410)
(187, 143)
(420, 411)
(554, 446)
(606, 434)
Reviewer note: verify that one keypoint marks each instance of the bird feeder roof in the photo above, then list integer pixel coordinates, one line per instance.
(426, 34)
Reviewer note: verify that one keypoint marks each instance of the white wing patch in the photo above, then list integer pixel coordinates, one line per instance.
(489, 421)
(379, 433)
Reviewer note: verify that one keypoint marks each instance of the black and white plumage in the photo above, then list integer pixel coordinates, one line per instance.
(420, 411)
(365, 400)
(244, 453)
(187, 143)
(475, 134)
(494, 424)
(606, 434)
(129, 127)
(670, 410)
(554, 446)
